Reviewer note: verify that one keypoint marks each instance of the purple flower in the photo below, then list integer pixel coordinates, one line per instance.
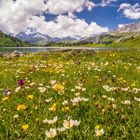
(77, 62)
(7, 92)
(21, 82)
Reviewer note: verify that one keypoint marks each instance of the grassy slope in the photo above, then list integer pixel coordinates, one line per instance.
(8, 41)
(129, 43)
(75, 71)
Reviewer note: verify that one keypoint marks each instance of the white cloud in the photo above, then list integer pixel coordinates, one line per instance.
(20, 15)
(64, 6)
(14, 15)
(121, 25)
(65, 26)
(105, 2)
(130, 11)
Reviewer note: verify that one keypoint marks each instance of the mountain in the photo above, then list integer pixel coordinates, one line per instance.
(39, 38)
(121, 34)
(9, 41)
(133, 27)
(32, 38)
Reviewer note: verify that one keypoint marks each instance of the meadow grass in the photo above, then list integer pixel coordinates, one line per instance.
(75, 95)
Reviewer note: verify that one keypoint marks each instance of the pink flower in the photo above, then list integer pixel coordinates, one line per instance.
(21, 82)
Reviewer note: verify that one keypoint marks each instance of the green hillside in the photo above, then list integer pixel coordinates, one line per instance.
(132, 42)
(8, 41)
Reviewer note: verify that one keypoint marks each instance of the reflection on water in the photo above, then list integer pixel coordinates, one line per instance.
(46, 49)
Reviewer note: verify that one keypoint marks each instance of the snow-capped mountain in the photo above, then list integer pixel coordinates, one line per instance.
(33, 37)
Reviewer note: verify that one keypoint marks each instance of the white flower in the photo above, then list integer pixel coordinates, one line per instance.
(61, 129)
(77, 94)
(137, 99)
(42, 89)
(53, 82)
(114, 106)
(111, 99)
(104, 96)
(84, 99)
(125, 89)
(83, 89)
(54, 120)
(51, 133)
(126, 102)
(76, 100)
(76, 123)
(17, 89)
(99, 132)
(16, 116)
(65, 102)
(68, 123)
(48, 100)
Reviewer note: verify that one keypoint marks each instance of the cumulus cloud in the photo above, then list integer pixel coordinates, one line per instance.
(65, 6)
(130, 11)
(65, 26)
(15, 14)
(20, 15)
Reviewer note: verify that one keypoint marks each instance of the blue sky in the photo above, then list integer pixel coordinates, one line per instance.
(108, 15)
(67, 18)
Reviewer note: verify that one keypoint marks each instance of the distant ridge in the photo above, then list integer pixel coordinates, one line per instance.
(9, 41)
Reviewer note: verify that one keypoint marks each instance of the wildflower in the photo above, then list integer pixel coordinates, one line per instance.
(30, 97)
(53, 107)
(7, 92)
(99, 132)
(104, 96)
(61, 129)
(137, 99)
(21, 107)
(16, 116)
(25, 127)
(17, 89)
(65, 109)
(58, 87)
(48, 100)
(84, 99)
(53, 82)
(68, 124)
(126, 102)
(77, 94)
(21, 82)
(76, 123)
(97, 127)
(4, 109)
(42, 89)
(54, 120)
(76, 100)
(65, 102)
(5, 99)
(51, 133)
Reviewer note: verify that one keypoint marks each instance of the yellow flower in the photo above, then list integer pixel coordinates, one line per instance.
(65, 109)
(58, 87)
(21, 107)
(97, 126)
(25, 127)
(30, 97)
(5, 99)
(53, 107)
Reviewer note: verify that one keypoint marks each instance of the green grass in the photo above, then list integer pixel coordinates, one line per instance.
(82, 74)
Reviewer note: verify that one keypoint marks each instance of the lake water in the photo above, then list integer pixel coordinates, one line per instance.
(46, 49)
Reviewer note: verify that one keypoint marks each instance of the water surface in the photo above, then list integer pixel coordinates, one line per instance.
(46, 49)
